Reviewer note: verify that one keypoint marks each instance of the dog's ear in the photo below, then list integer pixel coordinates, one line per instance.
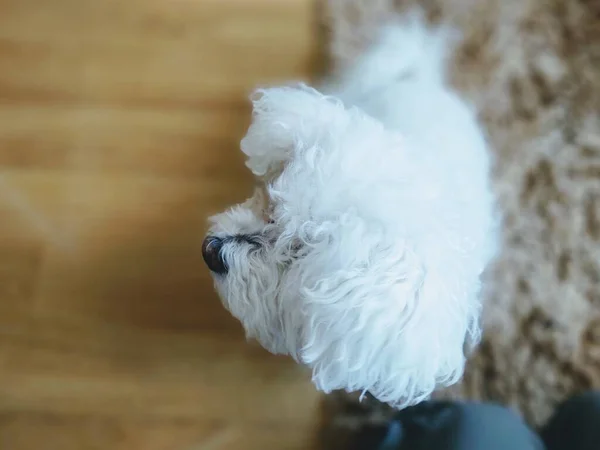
(359, 312)
(284, 119)
(375, 319)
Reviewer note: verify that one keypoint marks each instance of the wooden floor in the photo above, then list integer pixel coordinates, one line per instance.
(119, 131)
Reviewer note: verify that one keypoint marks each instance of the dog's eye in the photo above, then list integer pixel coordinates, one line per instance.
(268, 217)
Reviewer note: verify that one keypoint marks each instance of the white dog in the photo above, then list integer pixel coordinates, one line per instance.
(360, 254)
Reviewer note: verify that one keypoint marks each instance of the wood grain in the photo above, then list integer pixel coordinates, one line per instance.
(119, 132)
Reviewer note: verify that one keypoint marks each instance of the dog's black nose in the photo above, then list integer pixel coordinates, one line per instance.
(211, 252)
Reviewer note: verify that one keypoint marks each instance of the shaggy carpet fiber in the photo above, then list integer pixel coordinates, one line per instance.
(532, 67)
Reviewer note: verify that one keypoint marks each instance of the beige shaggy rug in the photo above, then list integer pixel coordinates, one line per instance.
(533, 69)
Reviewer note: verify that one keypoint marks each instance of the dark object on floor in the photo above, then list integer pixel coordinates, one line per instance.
(576, 425)
(444, 425)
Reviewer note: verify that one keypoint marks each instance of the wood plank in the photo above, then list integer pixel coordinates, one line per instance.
(150, 52)
(82, 432)
(66, 364)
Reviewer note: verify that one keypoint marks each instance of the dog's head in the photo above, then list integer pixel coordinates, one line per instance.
(320, 264)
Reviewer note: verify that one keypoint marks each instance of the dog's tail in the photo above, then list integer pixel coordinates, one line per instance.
(406, 50)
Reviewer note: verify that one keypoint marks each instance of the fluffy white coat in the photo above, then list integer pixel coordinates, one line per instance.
(360, 254)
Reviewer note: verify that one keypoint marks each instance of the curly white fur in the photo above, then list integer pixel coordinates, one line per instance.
(361, 254)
